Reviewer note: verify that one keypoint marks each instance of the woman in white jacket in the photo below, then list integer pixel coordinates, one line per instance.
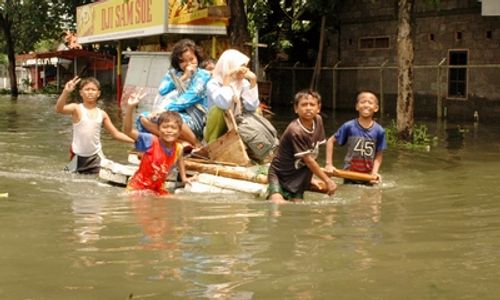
(233, 86)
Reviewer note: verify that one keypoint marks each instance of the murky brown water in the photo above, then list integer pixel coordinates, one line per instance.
(432, 231)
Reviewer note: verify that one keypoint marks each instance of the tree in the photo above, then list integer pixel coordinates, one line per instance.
(405, 100)
(238, 24)
(405, 53)
(6, 25)
(25, 22)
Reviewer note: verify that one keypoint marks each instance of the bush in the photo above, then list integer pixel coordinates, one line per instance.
(422, 140)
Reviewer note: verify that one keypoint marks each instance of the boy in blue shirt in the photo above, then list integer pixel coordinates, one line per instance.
(364, 137)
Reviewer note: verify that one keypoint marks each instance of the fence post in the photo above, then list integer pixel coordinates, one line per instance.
(381, 88)
(334, 85)
(439, 101)
(293, 79)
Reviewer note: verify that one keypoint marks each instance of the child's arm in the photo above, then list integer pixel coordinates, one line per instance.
(316, 170)
(250, 93)
(115, 133)
(329, 155)
(182, 170)
(132, 103)
(377, 162)
(72, 108)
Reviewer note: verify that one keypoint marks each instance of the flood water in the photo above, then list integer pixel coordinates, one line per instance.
(431, 231)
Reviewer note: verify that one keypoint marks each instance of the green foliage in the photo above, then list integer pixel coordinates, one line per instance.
(28, 20)
(48, 89)
(45, 45)
(290, 26)
(32, 21)
(422, 140)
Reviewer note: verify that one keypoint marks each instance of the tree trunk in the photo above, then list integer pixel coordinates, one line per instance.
(405, 101)
(238, 23)
(6, 25)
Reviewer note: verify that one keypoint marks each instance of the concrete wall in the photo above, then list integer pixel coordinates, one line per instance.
(435, 34)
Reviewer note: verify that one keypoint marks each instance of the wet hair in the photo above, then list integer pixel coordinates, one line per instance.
(182, 46)
(88, 80)
(356, 99)
(170, 116)
(304, 93)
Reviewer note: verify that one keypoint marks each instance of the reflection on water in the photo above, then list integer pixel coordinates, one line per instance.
(455, 137)
(430, 231)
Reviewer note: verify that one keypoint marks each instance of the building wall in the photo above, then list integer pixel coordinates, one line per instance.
(455, 25)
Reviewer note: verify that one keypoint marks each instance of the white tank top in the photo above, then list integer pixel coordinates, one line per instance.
(87, 133)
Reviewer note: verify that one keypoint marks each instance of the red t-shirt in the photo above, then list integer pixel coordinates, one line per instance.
(156, 163)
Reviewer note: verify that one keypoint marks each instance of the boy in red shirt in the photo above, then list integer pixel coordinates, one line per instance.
(160, 153)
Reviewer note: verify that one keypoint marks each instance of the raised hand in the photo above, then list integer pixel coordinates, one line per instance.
(249, 75)
(190, 69)
(71, 85)
(136, 97)
(239, 72)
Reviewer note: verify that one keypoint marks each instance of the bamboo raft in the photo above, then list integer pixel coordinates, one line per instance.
(215, 177)
(223, 166)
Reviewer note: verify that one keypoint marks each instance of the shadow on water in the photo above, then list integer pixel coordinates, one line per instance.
(430, 231)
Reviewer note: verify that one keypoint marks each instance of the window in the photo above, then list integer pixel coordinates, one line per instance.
(369, 43)
(431, 36)
(489, 34)
(458, 36)
(457, 74)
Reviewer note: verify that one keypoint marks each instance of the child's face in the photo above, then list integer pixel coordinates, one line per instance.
(90, 92)
(367, 105)
(188, 58)
(169, 131)
(307, 108)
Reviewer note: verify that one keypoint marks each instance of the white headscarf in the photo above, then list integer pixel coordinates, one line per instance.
(228, 61)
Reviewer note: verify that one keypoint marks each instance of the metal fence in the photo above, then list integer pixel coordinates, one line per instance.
(339, 84)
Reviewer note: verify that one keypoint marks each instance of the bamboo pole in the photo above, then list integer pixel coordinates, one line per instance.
(245, 174)
(317, 66)
(225, 171)
(334, 85)
(351, 175)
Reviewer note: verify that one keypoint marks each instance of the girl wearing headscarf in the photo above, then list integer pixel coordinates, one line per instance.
(233, 86)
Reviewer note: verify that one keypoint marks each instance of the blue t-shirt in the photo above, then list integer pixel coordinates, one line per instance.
(362, 144)
(144, 141)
